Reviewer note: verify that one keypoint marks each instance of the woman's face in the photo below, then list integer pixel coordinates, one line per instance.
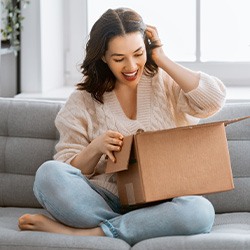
(126, 57)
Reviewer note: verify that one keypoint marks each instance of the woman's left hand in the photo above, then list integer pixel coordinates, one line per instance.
(157, 53)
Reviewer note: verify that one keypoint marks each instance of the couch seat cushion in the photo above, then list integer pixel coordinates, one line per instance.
(230, 231)
(12, 238)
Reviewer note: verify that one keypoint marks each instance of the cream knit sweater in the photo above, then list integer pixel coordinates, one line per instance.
(161, 104)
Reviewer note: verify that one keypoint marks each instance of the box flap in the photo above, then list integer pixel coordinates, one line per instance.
(236, 120)
(225, 122)
(122, 157)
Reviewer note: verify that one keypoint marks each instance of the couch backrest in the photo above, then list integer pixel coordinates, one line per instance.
(27, 138)
(238, 136)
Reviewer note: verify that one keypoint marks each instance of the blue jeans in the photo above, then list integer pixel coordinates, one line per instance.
(71, 199)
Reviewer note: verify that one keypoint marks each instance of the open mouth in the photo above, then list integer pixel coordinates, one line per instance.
(130, 76)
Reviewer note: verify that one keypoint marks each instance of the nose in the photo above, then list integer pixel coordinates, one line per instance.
(131, 65)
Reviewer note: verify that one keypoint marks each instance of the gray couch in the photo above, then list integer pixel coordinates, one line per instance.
(27, 139)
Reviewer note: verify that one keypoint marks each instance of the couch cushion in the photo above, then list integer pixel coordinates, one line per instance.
(12, 238)
(230, 231)
(17, 190)
(27, 139)
(238, 136)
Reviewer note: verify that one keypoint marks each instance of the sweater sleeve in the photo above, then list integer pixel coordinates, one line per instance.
(72, 126)
(204, 101)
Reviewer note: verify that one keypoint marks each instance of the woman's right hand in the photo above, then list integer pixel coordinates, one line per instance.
(107, 143)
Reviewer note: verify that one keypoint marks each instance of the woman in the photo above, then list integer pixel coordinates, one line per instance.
(129, 84)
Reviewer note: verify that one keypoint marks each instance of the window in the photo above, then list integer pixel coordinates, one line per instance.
(176, 26)
(208, 35)
(225, 30)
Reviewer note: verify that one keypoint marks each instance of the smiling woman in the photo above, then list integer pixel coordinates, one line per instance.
(129, 83)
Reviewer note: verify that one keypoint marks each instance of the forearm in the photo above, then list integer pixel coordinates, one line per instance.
(106, 144)
(187, 79)
(184, 77)
(87, 160)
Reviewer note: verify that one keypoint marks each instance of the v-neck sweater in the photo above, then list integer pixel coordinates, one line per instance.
(161, 104)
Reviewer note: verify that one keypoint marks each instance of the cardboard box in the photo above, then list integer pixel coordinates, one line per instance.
(190, 160)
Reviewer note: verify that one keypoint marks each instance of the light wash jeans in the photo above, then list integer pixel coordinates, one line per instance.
(71, 199)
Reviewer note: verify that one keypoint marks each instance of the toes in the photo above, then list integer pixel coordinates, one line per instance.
(33, 221)
(25, 219)
(38, 222)
(26, 226)
(25, 222)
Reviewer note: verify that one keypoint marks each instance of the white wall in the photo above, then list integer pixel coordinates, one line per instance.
(31, 49)
(75, 38)
(52, 44)
(53, 39)
(42, 64)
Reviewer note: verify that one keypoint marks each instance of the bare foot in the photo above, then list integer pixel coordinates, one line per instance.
(40, 222)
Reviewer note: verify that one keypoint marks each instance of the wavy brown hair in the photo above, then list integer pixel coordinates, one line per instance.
(97, 77)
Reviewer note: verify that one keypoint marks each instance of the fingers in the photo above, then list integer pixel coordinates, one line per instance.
(152, 33)
(111, 156)
(115, 134)
(114, 142)
(114, 139)
(153, 36)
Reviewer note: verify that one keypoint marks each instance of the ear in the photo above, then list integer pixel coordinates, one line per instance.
(104, 60)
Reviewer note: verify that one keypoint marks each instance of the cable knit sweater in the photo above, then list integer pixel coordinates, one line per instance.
(161, 104)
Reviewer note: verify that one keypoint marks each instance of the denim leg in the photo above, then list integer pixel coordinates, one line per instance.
(73, 200)
(182, 216)
(70, 198)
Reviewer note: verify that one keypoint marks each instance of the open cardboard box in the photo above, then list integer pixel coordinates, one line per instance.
(159, 165)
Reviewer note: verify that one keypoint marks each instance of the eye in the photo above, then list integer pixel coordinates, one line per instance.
(118, 60)
(139, 54)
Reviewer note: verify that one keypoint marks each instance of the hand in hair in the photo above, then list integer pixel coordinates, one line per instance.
(157, 52)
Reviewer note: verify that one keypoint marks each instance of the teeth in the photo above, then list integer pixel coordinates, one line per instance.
(131, 74)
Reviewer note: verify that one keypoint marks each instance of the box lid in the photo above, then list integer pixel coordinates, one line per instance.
(226, 122)
(123, 156)
(235, 120)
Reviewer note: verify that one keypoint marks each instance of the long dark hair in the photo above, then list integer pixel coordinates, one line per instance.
(97, 77)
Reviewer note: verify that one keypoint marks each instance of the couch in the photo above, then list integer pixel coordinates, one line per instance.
(28, 138)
